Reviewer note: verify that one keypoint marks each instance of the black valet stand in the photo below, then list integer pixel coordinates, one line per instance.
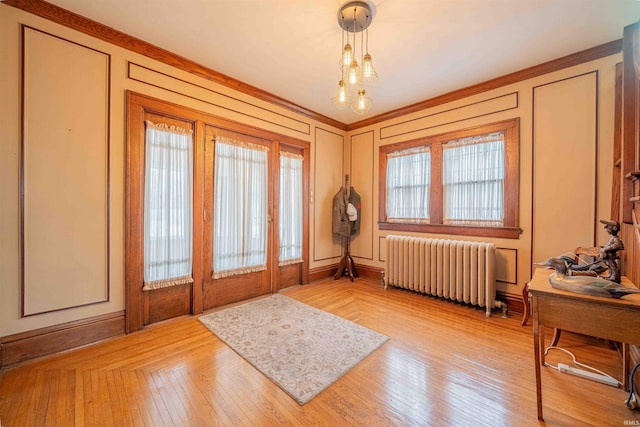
(346, 267)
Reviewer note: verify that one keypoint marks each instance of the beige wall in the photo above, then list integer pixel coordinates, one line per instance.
(566, 140)
(65, 174)
(66, 284)
(328, 177)
(333, 152)
(564, 158)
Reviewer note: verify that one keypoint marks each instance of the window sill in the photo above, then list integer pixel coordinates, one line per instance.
(457, 230)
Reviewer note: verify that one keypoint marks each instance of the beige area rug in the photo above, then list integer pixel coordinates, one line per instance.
(300, 348)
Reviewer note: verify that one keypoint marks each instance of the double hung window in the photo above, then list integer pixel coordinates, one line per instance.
(463, 182)
(408, 180)
(473, 180)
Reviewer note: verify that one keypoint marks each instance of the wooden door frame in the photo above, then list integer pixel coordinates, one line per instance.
(137, 105)
(136, 301)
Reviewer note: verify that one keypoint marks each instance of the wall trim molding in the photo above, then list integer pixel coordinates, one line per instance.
(514, 301)
(320, 273)
(316, 167)
(512, 96)
(515, 273)
(100, 31)
(28, 345)
(367, 271)
(371, 214)
(24, 184)
(591, 54)
(596, 148)
(136, 73)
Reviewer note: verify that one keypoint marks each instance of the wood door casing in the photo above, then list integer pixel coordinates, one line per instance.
(144, 307)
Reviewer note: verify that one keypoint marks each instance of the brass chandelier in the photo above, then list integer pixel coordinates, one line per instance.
(355, 17)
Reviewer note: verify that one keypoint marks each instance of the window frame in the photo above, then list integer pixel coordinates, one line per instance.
(510, 229)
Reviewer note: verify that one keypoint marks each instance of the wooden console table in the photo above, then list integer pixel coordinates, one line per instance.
(606, 318)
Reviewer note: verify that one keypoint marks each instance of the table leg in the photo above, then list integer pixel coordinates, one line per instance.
(525, 303)
(538, 358)
(625, 367)
(556, 337)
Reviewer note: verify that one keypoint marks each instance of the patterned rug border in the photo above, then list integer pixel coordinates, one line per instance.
(289, 343)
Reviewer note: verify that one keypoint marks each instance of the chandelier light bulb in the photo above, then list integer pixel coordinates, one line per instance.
(353, 78)
(347, 56)
(369, 74)
(342, 98)
(363, 103)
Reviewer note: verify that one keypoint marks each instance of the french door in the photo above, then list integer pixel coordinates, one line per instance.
(291, 210)
(248, 204)
(238, 236)
(255, 210)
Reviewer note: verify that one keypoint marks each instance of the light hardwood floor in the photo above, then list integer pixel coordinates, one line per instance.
(444, 365)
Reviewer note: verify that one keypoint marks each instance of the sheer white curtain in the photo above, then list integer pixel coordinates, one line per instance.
(473, 180)
(408, 181)
(240, 207)
(168, 201)
(290, 212)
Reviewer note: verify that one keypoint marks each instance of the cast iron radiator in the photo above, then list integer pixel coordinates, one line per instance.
(453, 269)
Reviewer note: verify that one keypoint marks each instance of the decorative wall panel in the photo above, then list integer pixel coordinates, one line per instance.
(362, 165)
(506, 265)
(207, 95)
(452, 115)
(64, 174)
(328, 179)
(564, 165)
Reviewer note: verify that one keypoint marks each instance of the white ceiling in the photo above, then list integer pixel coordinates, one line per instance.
(420, 48)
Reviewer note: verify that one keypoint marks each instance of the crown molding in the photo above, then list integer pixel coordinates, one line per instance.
(591, 54)
(100, 31)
